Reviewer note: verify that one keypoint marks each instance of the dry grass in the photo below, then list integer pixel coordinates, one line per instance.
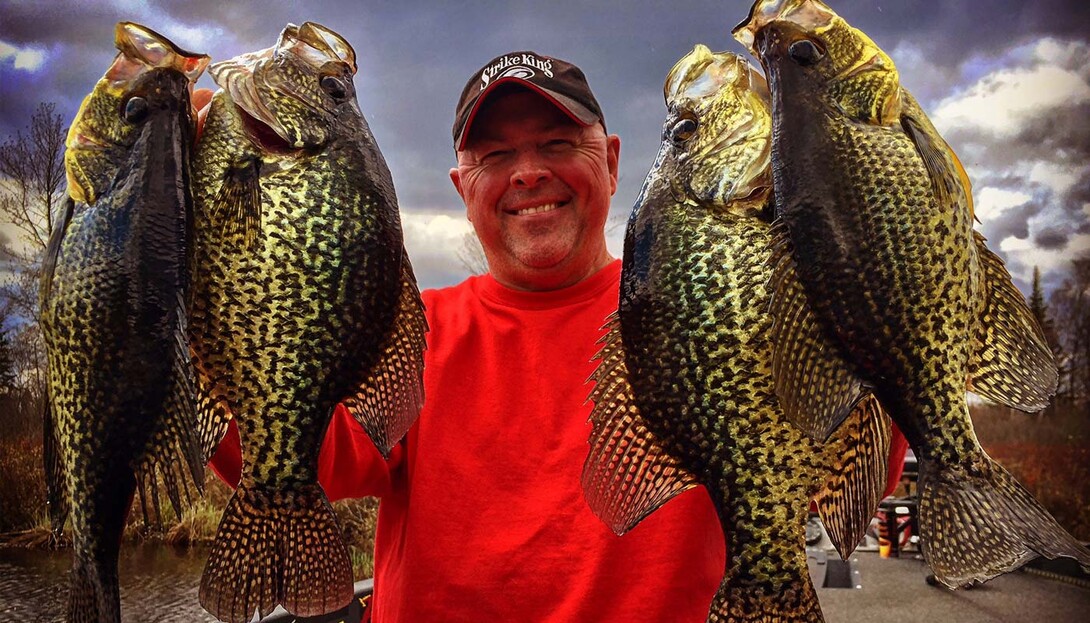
(1049, 453)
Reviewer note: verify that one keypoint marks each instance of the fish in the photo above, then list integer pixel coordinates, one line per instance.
(303, 297)
(683, 391)
(120, 412)
(876, 220)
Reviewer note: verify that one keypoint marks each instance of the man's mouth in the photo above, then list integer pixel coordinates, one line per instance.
(540, 209)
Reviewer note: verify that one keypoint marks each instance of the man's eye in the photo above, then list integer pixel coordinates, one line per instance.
(493, 155)
(559, 143)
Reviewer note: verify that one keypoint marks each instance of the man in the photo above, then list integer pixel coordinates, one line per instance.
(482, 515)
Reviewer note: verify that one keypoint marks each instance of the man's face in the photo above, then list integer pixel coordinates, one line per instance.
(537, 187)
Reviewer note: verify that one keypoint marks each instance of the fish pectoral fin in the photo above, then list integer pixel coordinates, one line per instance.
(53, 251)
(949, 181)
(390, 397)
(627, 475)
(55, 489)
(816, 387)
(858, 469)
(238, 204)
(173, 456)
(1011, 363)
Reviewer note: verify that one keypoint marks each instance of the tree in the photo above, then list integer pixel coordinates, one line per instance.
(471, 254)
(7, 365)
(31, 179)
(1039, 309)
(31, 174)
(1071, 303)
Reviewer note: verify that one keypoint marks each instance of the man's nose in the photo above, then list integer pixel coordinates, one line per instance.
(529, 171)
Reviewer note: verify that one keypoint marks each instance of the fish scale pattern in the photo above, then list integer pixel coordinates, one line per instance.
(302, 299)
(879, 214)
(684, 390)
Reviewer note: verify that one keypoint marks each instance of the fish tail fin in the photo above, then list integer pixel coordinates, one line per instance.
(793, 602)
(276, 547)
(978, 522)
(93, 595)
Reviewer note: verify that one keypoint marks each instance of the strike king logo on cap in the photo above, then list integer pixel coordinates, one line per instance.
(558, 81)
(520, 66)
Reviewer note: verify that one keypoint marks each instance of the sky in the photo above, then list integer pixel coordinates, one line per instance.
(1007, 82)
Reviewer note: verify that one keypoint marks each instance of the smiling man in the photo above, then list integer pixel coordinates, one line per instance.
(482, 515)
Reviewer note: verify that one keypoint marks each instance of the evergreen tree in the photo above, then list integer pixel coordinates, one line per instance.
(7, 365)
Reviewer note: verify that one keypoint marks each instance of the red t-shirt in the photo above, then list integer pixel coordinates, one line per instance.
(482, 515)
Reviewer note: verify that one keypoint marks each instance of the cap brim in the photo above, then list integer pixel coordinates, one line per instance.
(578, 112)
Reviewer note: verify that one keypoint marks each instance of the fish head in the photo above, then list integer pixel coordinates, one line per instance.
(296, 94)
(147, 87)
(716, 142)
(808, 51)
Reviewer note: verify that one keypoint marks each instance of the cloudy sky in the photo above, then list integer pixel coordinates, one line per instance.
(1006, 81)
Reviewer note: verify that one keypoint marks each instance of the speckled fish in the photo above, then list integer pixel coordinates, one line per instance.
(119, 408)
(302, 298)
(684, 391)
(877, 214)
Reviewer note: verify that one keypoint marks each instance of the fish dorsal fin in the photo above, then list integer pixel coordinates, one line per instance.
(143, 45)
(859, 467)
(816, 387)
(392, 394)
(335, 46)
(627, 475)
(1011, 362)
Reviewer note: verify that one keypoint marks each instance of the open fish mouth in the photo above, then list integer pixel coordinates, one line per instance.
(263, 135)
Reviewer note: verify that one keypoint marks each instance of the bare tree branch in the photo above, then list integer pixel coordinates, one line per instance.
(471, 254)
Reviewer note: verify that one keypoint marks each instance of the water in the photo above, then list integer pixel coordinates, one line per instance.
(158, 583)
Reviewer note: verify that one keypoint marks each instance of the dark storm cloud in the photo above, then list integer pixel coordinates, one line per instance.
(1052, 238)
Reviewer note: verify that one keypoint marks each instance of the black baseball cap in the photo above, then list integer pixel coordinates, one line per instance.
(558, 81)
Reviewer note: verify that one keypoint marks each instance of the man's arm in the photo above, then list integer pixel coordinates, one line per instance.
(349, 466)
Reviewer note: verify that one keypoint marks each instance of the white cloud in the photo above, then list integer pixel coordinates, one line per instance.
(26, 59)
(1023, 255)
(990, 202)
(432, 240)
(1002, 102)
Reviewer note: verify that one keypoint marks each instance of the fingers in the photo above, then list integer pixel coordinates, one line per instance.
(202, 100)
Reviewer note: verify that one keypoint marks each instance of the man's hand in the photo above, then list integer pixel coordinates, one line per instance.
(202, 101)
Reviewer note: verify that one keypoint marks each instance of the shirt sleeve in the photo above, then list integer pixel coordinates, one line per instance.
(898, 447)
(349, 465)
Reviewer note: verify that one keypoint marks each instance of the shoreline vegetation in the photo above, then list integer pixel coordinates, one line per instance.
(1048, 452)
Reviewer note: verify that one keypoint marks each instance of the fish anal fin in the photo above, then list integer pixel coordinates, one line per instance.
(1011, 363)
(392, 394)
(626, 476)
(276, 547)
(238, 204)
(858, 469)
(817, 389)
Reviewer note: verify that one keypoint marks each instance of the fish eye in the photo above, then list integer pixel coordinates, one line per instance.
(805, 52)
(334, 86)
(682, 130)
(136, 109)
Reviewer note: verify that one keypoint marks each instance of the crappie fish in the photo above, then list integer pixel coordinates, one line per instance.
(302, 298)
(877, 215)
(119, 408)
(684, 392)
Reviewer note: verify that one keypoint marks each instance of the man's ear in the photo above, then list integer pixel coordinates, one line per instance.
(456, 179)
(613, 158)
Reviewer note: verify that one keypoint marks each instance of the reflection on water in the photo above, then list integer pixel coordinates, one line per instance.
(157, 584)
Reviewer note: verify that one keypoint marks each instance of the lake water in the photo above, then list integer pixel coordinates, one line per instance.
(157, 584)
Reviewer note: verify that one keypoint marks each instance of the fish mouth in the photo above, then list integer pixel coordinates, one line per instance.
(263, 135)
